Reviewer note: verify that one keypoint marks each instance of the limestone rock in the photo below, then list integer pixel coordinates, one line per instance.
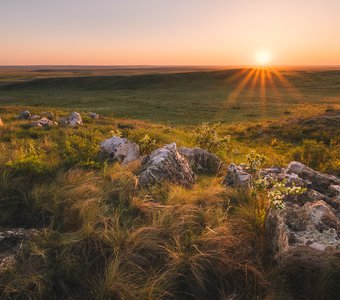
(312, 229)
(121, 149)
(10, 243)
(75, 119)
(165, 164)
(93, 115)
(237, 176)
(24, 115)
(34, 117)
(43, 122)
(200, 160)
(318, 180)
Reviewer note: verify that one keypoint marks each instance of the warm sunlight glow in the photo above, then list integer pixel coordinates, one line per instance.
(263, 58)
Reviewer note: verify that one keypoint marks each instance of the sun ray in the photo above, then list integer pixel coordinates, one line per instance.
(271, 83)
(241, 85)
(236, 76)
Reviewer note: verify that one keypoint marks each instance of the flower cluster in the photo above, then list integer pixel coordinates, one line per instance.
(280, 190)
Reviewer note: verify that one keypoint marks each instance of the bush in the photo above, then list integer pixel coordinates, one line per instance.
(312, 153)
(207, 137)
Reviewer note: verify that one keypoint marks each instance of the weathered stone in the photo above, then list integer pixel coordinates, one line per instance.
(24, 115)
(334, 191)
(35, 117)
(43, 122)
(200, 160)
(75, 119)
(319, 181)
(11, 242)
(165, 164)
(48, 115)
(120, 149)
(237, 176)
(93, 115)
(312, 228)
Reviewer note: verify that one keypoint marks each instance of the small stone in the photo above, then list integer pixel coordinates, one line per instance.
(24, 115)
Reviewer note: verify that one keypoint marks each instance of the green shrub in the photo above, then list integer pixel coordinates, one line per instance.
(312, 153)
(79, 150)
(29, 159)
(207, 137)
(146, 144)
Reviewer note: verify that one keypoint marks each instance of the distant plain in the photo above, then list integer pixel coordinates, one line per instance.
(175, 95)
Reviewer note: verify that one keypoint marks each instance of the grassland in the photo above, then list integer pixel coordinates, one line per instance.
(176, 96)
(101, 238)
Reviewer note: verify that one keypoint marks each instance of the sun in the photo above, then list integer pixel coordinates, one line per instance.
(263, 58)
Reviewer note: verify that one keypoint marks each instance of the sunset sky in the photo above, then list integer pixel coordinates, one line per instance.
(169, 32)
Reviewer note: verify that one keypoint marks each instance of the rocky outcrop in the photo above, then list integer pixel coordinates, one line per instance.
(200, 160)
(311, 228)
(10, 243)
(237, 176)
(25, 115)
(165, 164)
(119, 149)
(43, 122)
(319, 181)
(307, 232)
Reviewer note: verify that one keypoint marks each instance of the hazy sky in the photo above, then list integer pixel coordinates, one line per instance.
(169, 32)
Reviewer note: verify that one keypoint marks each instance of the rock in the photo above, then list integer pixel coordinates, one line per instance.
(43, 122)
(334, 191)
(48, 115)
(75, 119)
(93, 115)
(24, 115)
(34, 117)
(200, 160)
(165, 164)
(1, 123)
(11, 242)
(237, 176)
(318, 180)
(119, 149)
(313, 228)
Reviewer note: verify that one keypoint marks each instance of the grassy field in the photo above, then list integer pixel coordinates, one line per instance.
(100, 237)
(176, 95)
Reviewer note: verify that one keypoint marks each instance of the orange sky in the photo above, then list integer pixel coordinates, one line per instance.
(164, 32)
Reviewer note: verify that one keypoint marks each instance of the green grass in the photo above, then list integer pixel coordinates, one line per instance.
(101, 238)
(189, 97)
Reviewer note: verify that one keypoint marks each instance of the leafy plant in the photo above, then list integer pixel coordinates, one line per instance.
(312, 153)
(146, 144)
(255, 161)
(207, 137)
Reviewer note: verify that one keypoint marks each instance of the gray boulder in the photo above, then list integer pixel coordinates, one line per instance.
(165, 164)
(237, 176)
(93, 115)
(120, 149)
(24, 115)
(200, 160)
(43, 122)
(75, 119)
